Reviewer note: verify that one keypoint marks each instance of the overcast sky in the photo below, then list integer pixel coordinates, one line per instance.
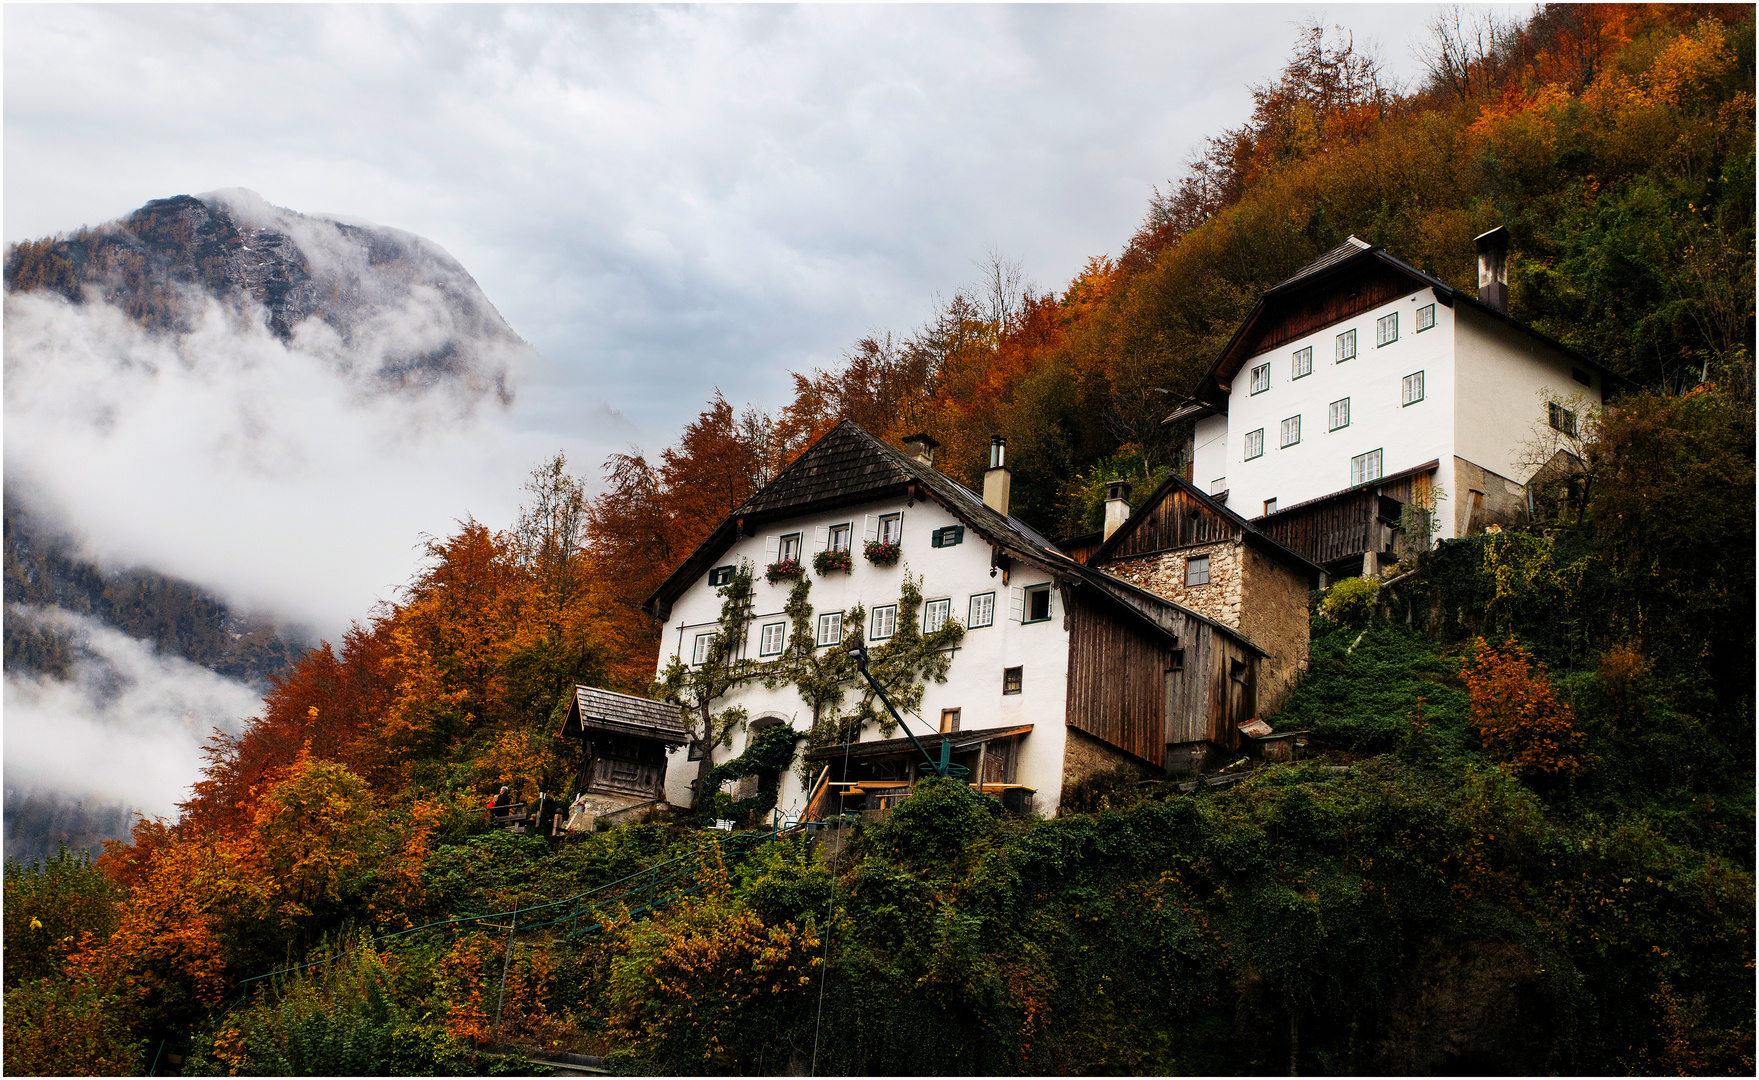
(662, 200)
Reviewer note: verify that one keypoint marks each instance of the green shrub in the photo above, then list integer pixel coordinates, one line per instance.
(1351, 601)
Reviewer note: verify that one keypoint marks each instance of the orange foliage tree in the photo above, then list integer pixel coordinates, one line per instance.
(1518, 716)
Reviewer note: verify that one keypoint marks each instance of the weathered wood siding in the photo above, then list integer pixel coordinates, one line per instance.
(1205, 703)
(1117, 678)
(1178, 520)
(1333, 303)
(1333, 528)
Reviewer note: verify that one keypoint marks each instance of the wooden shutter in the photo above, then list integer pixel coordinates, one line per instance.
(772, 548)
(821, 538)
(870, 530)
(1017, 604)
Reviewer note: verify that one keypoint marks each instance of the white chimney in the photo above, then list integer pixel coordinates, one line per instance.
(921, 447)
(997, 480)
(1493, 268)
(1117, 505)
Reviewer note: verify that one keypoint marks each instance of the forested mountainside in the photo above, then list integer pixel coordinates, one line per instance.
(1523, 843)
(46, 574)
(44, 569)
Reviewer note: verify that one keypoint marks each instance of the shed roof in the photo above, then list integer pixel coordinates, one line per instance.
(622, 714)
(959, 739)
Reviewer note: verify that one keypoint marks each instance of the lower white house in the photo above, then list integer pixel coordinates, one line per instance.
(1062, 670)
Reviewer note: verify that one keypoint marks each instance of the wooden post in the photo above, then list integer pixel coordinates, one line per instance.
(506, 961)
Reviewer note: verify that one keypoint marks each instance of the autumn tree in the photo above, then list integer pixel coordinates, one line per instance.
(1519, 717)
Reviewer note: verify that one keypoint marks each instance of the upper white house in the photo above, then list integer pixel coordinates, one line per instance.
(1063, 669)
(1356, 385)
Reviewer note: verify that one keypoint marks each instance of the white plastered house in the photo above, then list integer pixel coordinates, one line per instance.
(1063, 670)
(1361, 384)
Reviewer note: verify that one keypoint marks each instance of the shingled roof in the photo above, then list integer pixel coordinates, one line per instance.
(850, 465)
(622, 714)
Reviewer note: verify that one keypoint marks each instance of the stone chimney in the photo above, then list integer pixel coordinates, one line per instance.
(1493, 268)
(997, 480)
(921, 447)
(1117, 505)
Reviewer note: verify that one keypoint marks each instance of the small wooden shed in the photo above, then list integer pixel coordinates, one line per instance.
(623, 742)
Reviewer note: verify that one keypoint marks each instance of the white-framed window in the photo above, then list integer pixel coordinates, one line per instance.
(1269, 507)
(699, 650)
(1346, 346)
(1291, 431)
(1386, 330)
(1036, 605)
(830, 628)
(1338, 414)
(1197, 570)
(839, 538)
(1365, 467)
(891, 528)
(1561, 419)
(1254, 444)
(771, 638)
(1425, 317)
(1218, 485)
(790, 548)
(1261, 378)
(885, 621)
(983, 610)
(935, 614)
(1411, 390)
(1303, 364)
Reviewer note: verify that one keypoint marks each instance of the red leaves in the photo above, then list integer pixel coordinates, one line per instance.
(1518, 717)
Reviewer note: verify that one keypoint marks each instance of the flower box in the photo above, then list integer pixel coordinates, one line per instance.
(883, 552)
(832, 559)
(786, 570)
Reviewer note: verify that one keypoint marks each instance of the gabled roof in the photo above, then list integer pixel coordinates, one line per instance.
(622, 714)
(1349, 259)
(850, 465)
(1253, 536)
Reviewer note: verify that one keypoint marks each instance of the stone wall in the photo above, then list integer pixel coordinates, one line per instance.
(1163, 573)
(1274, 616)
(1084, 756)
(1504, 502)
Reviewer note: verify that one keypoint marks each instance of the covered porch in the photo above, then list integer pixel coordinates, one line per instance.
(876, 776)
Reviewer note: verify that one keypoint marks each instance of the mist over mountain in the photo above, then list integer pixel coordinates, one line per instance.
(226, 425)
